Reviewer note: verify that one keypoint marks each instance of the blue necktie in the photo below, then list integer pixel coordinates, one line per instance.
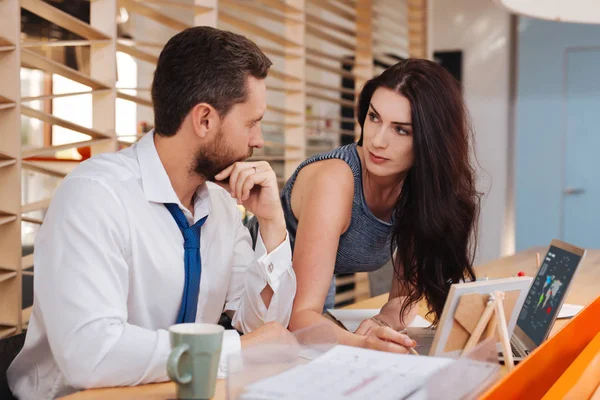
(193, 263)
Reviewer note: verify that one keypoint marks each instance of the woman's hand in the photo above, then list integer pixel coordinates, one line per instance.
(384, 338)
(368, 324)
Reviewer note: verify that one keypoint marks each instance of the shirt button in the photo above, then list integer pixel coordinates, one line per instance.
(270, 267)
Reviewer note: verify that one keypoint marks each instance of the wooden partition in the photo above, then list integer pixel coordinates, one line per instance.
(322, 51)
(10, 171)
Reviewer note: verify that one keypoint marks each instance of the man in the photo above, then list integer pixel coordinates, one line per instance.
(136, 241)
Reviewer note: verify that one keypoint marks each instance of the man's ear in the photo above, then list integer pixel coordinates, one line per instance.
(205, 119)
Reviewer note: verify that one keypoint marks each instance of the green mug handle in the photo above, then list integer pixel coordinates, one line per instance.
(173, 365)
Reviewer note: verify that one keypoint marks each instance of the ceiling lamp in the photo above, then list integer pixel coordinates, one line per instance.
(583, 11)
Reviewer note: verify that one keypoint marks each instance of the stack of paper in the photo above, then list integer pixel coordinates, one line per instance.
(351, 319)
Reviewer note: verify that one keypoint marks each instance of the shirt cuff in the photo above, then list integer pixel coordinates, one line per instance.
(276, 262)
(232, 344)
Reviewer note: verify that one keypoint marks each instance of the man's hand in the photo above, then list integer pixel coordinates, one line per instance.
(254, 186)
(271, 333)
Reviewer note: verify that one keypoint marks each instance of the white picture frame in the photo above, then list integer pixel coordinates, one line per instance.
(443, 331)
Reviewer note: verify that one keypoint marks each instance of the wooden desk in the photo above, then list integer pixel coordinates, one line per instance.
(585, 288)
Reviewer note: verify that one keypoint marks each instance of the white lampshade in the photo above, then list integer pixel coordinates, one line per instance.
(585, 11)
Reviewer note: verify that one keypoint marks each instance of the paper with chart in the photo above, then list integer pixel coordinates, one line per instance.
(351, 319)
(346, 372)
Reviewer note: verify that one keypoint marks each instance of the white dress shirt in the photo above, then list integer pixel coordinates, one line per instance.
(109, 276)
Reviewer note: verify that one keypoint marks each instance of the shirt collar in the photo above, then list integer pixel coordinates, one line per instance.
(156, 183)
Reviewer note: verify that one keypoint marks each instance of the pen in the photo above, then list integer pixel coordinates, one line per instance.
(411, 349)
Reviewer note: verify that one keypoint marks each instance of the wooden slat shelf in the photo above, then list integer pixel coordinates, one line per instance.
(60, 95)
(38, 167)
(277, 88)
(350, 295)
(141, 43)
(198, 9)
(335, 9)
(385, 28)
(349, 3)
(333, 119)
(278, 52)
(136, 53)
(27, 261)
(6, 275)
(137, 7)
(53, 120)
(6, 106)
(341, 132)
(253, 29)
(7, 47)
(277, 145)
(35, 206)
(7, 162)
(10, 189)
(32, 220)
(273, 73)
(381, 11)
(6, 103)
(281, 124)
(322, 54)
(33, 60)
(7, 218)
(316, 32)
(325, 67)
(389, 43)
(7, 331)
(63, 43)
(4, 42)
(318, 21)
(247, 8)
(384, 58)
(62, 19)
(347, 28)
(345, 280)
(332, 88)
(135, 99)
(345, 103)
(281, 6)
(53, 149)
(279, 110)
(138, 89)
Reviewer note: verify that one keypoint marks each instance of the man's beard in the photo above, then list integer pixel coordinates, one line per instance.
(211, 160)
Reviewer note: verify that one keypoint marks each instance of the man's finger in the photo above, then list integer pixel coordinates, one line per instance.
(252, 181)
(241, 180)
(225, 173)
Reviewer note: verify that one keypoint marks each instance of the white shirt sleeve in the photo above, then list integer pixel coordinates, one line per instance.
(252, 271)
(81, 286)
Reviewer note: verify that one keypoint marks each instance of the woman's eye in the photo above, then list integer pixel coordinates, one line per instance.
(372, 117)
(401, 131)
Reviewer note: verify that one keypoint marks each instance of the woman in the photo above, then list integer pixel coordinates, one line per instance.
(406, 186)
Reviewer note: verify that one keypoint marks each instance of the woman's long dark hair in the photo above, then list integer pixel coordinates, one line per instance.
(436, 214)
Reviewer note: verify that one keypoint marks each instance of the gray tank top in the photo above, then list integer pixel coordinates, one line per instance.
(365, 246)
